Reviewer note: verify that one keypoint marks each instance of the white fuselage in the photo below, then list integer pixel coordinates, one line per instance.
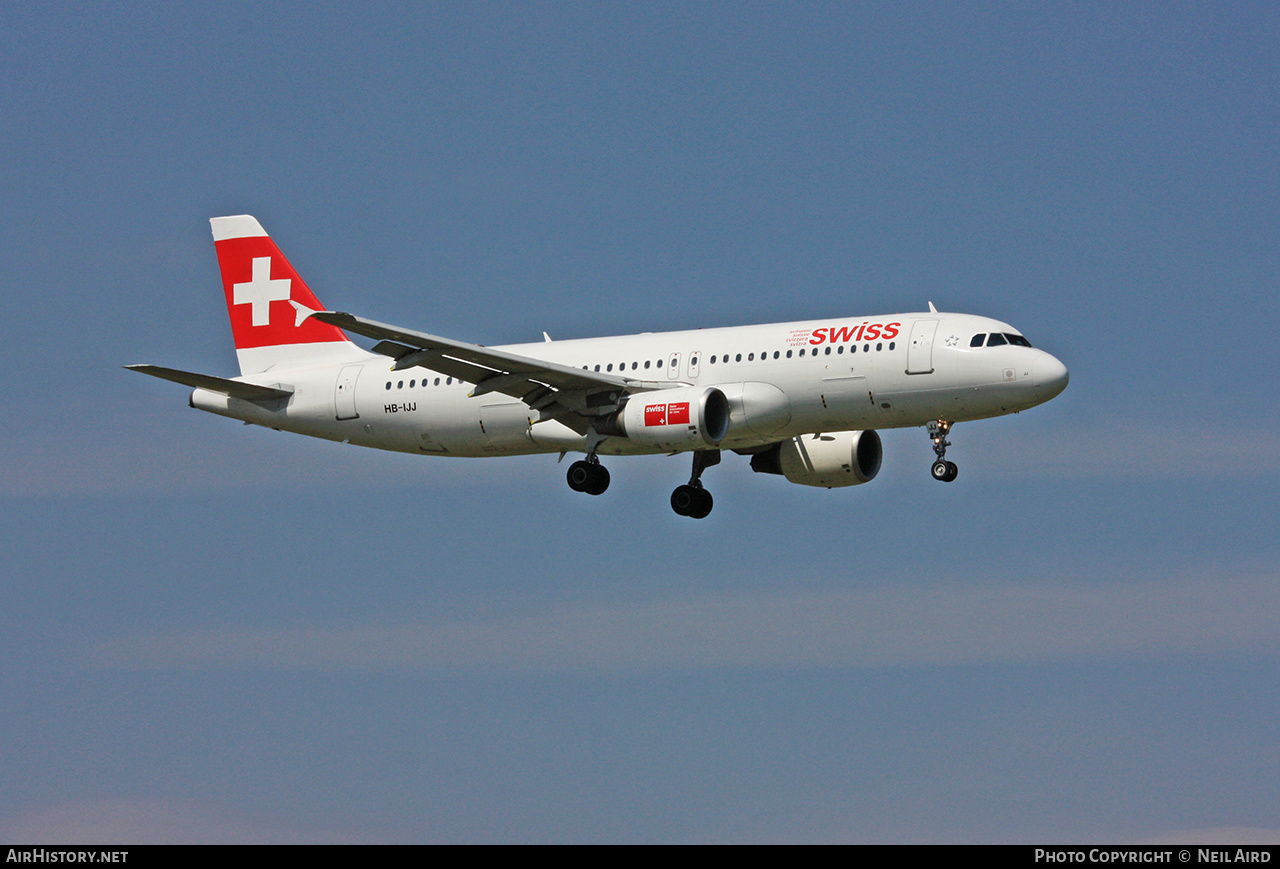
(782, 380)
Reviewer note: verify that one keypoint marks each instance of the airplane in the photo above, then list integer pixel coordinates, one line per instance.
(803, 400)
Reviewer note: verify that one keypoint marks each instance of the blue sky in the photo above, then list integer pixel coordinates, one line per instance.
(218, 633)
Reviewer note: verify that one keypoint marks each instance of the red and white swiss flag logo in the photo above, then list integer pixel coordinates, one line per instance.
(666, 414)
(263, 290)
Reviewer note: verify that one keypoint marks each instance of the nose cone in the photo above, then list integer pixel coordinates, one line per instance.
(1049, 376)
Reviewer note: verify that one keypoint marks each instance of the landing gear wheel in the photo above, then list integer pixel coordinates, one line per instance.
(682, 499)
(589, 477)
(692, 501)
(599, 480)
(942, 470)
(579, 474)
(702, 505)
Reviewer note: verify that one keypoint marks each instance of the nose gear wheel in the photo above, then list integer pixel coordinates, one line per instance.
(942, 470)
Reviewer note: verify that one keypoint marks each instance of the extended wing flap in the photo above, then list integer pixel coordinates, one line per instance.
(220, 385)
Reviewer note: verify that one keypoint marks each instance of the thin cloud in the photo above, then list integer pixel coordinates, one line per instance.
(1229, 836)
(942, 624)
(151, 822)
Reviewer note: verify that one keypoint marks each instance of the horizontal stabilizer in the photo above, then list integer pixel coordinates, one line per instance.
(220, 385)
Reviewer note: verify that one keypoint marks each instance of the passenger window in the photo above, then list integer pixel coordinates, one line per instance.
(840, 349)
(388, 384)
(400, 385)
(788, 354)
(879, 346)
(751, 357)
(737, 358)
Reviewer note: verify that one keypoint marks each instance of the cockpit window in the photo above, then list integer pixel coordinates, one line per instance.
(998, 339)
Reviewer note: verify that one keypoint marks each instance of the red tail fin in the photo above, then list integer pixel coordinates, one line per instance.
(266, 299)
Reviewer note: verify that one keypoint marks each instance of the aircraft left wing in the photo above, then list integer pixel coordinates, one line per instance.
(553, 389)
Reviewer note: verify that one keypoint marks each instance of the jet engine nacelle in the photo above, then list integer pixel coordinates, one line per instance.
(830, 460)
(690, 417)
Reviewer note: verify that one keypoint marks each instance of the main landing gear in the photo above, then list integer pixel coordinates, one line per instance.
(691, 499)
(588, 475)
(942, 469)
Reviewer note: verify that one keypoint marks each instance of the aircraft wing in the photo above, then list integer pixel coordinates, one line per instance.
(554, 389)
(220, 385)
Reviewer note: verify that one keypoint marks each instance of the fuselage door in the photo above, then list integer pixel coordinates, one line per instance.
(344, 393)
(673, 367)
(693, 364)
(920, 351)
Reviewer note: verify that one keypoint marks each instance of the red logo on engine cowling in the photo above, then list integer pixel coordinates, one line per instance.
(666, 414)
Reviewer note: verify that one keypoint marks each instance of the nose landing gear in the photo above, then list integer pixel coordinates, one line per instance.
(942, 469)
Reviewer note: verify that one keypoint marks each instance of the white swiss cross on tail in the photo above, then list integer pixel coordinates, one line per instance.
(261, 291)
(256, 277)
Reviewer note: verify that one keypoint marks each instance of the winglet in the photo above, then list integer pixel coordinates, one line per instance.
(303, 312)
(932, 309)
